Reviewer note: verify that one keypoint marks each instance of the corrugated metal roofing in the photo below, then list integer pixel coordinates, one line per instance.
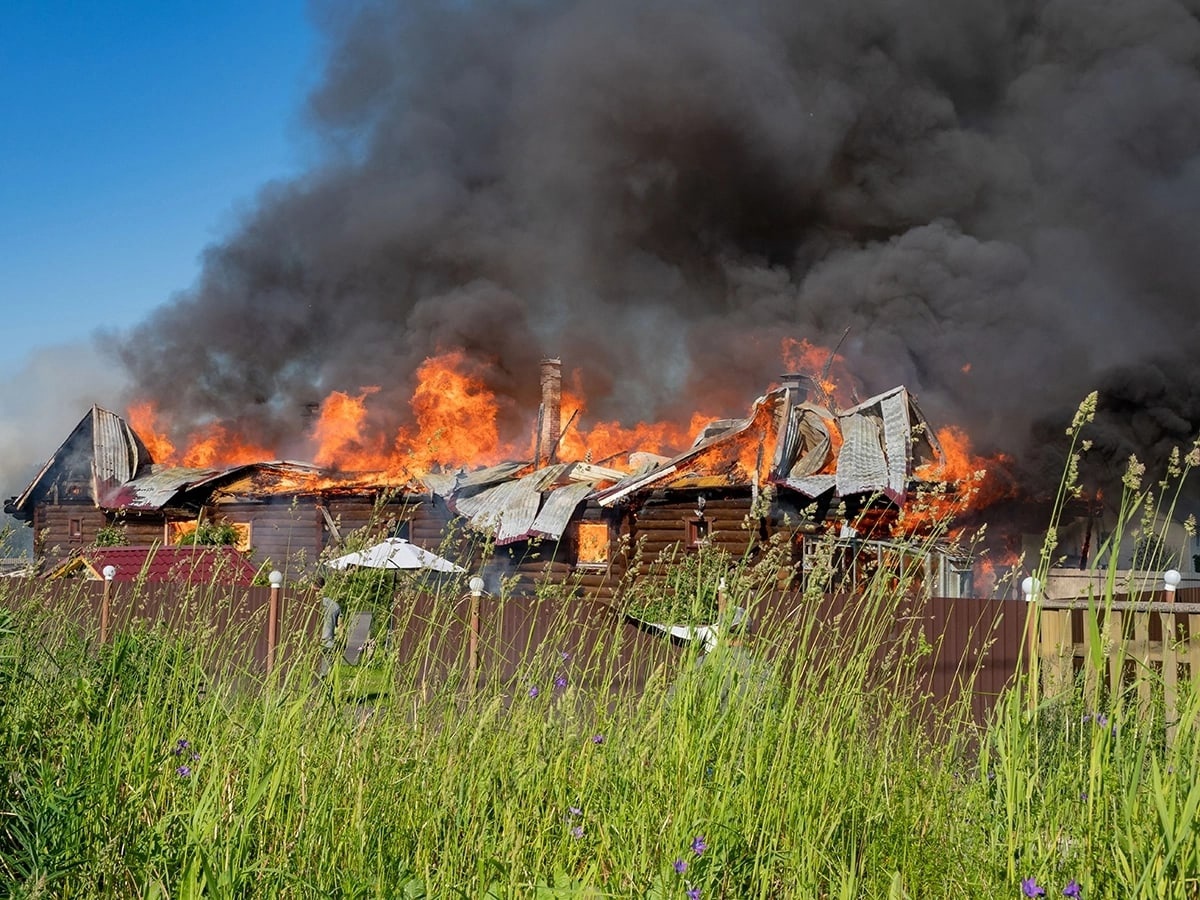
(153, 490)
(115, 456)
(200, 565)
(556, 512)
(508, 509)
(117, 452)
(811, 485)
(861, 466)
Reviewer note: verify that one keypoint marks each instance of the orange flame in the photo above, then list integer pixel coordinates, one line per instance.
(966, 482)
(338, 434)
(825, 367)
(217, 445)
(607, 442)
(456, 417)
(143, 419)
(211, 446)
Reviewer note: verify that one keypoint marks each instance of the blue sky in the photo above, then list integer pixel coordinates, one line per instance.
(133, 133)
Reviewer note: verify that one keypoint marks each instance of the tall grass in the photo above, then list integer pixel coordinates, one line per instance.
(160, 765)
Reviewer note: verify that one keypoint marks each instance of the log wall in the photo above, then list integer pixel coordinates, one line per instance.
(54, 539)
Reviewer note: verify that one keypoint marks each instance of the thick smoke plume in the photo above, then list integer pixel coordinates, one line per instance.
(998, 200)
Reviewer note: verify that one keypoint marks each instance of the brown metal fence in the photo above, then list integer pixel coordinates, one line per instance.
(950, 643)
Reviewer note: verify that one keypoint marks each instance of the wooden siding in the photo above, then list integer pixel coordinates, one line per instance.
(286, 531)
(661, 525)
(53, 539)
(139, 530)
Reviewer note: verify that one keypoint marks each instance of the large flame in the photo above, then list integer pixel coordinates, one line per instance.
(214, 445)
(456, 415)
(455, 420)
(826, 367)
(610, 443)
(960, 481)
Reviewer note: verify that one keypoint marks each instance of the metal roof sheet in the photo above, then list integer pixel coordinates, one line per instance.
(861, 464)
(117, 452)
(811, 485)
(556, 512)
(897, 442)
(115, 455)
(202, 565)
(447, 484)
(153, 490)
(508, 509)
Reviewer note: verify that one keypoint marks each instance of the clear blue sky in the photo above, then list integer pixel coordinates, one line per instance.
(132, 132)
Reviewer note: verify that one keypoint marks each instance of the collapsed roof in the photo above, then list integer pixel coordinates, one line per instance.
(873, 448)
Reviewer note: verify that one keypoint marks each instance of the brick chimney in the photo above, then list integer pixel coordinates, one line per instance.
(550, 414)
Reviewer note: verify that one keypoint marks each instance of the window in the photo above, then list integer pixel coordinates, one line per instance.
(180, 531)
(75, 530)
(697, 532)
(592, 545)
(243, 530)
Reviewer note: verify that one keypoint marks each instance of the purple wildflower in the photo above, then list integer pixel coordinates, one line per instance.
(1101, 719)
(564, 654)
(181, 745)
(699, 845)
(1073, 889)
(577, 831)
(560, 682)
(1030, 888)
(574, 810)
(183, 771)
(693, 893)
(597, 739)
(533, 691)
(680, 866)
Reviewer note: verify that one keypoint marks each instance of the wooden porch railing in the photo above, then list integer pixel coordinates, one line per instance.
(1146, 647)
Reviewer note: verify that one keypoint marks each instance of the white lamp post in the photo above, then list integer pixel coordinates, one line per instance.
(276, 579)
(1171, 579)
(476, 586)
(109, 572)
(1030, 587)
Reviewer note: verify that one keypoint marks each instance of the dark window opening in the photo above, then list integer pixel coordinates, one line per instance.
(697, 532)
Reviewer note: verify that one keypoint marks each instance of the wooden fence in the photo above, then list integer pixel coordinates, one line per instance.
(1146, 648)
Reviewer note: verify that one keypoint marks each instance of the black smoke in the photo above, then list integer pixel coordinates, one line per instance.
(998, 200)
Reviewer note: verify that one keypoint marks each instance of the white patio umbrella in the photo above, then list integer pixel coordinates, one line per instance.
(394, 553)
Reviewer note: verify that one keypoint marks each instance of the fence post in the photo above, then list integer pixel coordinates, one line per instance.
(276, 578)
(109, 573)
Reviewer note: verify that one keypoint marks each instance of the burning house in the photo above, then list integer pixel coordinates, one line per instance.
(103, 477)
(792, 466)
(795, 468)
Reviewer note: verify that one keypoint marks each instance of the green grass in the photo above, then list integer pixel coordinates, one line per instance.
(811, 778)
(813, 781)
